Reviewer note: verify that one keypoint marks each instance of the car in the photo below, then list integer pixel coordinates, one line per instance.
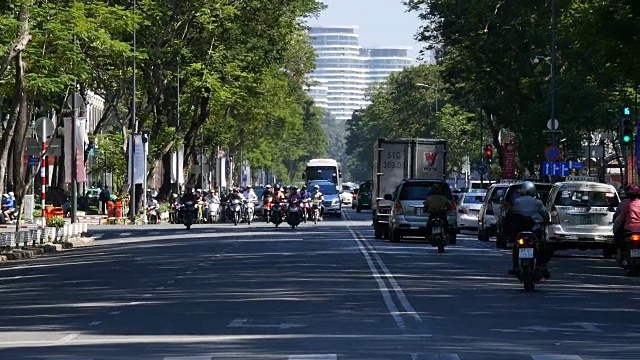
(346, 194)
(469, 206)
(331, 203)
(259, 190)
(407, 216)
(511, 194)
(363, 201)
(490, 207)
(582, 211)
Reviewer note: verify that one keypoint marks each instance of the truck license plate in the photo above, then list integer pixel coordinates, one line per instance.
(635, 253)
(525, 253)
(436, 230)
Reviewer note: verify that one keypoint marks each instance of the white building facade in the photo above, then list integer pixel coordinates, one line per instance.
(344, 69)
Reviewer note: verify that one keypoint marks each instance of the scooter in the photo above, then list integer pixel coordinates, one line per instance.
(628, 253)
(188, 214)
(276, 213)
(236, 210)
(438, 235)
(266, 209)
(152, 215)
(315, 211)
(249, 210)
(212, 210)
(305, 210)
(529, 270)
(294, 214)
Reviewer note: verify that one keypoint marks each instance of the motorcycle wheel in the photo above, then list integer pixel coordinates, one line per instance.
(236, 219)
(249, 218)
(528, 280)
(440, 247)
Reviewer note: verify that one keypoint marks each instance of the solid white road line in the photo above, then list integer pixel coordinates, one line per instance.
(314, 357)
(555, 357)
(94, 323)
(386, 294)
(68, 338)
(114, 313)
(202, 357)
(435, 357)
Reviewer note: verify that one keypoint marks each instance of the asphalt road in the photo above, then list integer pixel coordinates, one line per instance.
(326, 291)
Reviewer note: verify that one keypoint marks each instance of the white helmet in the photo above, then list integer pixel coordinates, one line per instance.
(316, 187)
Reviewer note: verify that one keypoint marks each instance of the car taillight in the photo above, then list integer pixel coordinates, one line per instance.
(399, 209)
(453, 206)
(635, 237)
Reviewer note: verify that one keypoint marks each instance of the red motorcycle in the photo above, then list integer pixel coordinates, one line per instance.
(266, 209)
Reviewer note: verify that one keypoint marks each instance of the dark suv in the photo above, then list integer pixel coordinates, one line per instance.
(511, 194)
(363, 201)
(407, 216)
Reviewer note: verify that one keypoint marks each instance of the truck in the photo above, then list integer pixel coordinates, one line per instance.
(395, 160)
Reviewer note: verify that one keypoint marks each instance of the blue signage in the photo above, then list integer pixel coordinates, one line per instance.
(560, 168)
(33, 160)
(552, 153)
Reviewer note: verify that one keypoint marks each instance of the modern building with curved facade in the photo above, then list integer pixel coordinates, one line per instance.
(344, 69)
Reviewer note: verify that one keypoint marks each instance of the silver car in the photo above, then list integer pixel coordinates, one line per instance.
(332, 204)
(407, 213)
(469, 206)
(582, 214)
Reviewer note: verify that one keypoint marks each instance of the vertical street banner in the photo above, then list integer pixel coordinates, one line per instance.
(509, 160)
(637, 145)
(81, 174)
(177, 163)
(136, 167)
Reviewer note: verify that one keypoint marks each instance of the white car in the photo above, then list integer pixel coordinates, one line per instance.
(469, 206)
(346, 194)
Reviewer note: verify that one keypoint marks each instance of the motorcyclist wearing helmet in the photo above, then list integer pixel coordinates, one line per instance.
(249, 194)
(527, 213)
(436, 205)
(293, 195)
(304, 193)
(317, 196)
(235, 195)
(278, 194)
(629, 217)
(189, 195)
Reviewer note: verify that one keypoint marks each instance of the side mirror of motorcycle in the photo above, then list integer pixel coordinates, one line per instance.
(388, 197)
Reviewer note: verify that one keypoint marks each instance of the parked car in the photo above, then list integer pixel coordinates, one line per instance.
(581, 215)
(469, 205)
(408, 217)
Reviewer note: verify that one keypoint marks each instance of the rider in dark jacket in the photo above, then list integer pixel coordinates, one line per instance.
(527, 213)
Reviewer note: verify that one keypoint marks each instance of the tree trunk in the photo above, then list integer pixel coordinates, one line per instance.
(20, 43)
(166, 187)
(20, 131)
(5, 143)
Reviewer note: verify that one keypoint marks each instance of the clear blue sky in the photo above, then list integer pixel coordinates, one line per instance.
(381, 22)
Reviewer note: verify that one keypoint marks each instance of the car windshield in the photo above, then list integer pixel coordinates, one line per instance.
(420, 191)
(365, 188)
(327, 189)
(473, 199)
(542, 191)
(586, 198)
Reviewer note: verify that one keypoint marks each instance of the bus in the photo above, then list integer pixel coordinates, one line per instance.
(323, 169)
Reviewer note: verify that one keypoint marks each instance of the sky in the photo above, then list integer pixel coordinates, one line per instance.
(381, 22)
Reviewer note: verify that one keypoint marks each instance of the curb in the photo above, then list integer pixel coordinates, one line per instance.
(50, 248)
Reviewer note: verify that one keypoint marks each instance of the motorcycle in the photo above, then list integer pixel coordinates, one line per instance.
(628, 253)
(315, 211)
(294, 214)
(266, 209)
(188, 213)
(438, 235)
(202, 216)
(212, 210)
(224, 211)
(236, 210)
(305, 210)
(249, 210)
(276, 213)
(529, 270)
(152, 215)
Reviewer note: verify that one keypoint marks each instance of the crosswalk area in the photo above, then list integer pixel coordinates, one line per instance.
(414, 356)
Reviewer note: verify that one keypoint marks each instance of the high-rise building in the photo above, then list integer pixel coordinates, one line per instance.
(344, 69)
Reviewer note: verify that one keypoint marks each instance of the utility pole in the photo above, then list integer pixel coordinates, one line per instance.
(74, 157)
(134, 129)
(554, 63)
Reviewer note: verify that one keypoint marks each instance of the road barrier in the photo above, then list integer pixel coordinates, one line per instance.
(36, 236)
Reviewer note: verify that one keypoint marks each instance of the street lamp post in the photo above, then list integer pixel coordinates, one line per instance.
(435, 87)
(132, 202)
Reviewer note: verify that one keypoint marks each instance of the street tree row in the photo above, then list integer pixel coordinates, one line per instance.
(484, 51)
(239, 68)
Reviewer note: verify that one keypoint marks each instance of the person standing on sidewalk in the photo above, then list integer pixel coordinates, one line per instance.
(104, 198)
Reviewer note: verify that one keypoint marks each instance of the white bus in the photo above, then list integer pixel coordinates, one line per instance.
(323, 169)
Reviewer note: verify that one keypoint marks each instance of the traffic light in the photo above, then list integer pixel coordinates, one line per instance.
(488, 152)
(627, 128)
